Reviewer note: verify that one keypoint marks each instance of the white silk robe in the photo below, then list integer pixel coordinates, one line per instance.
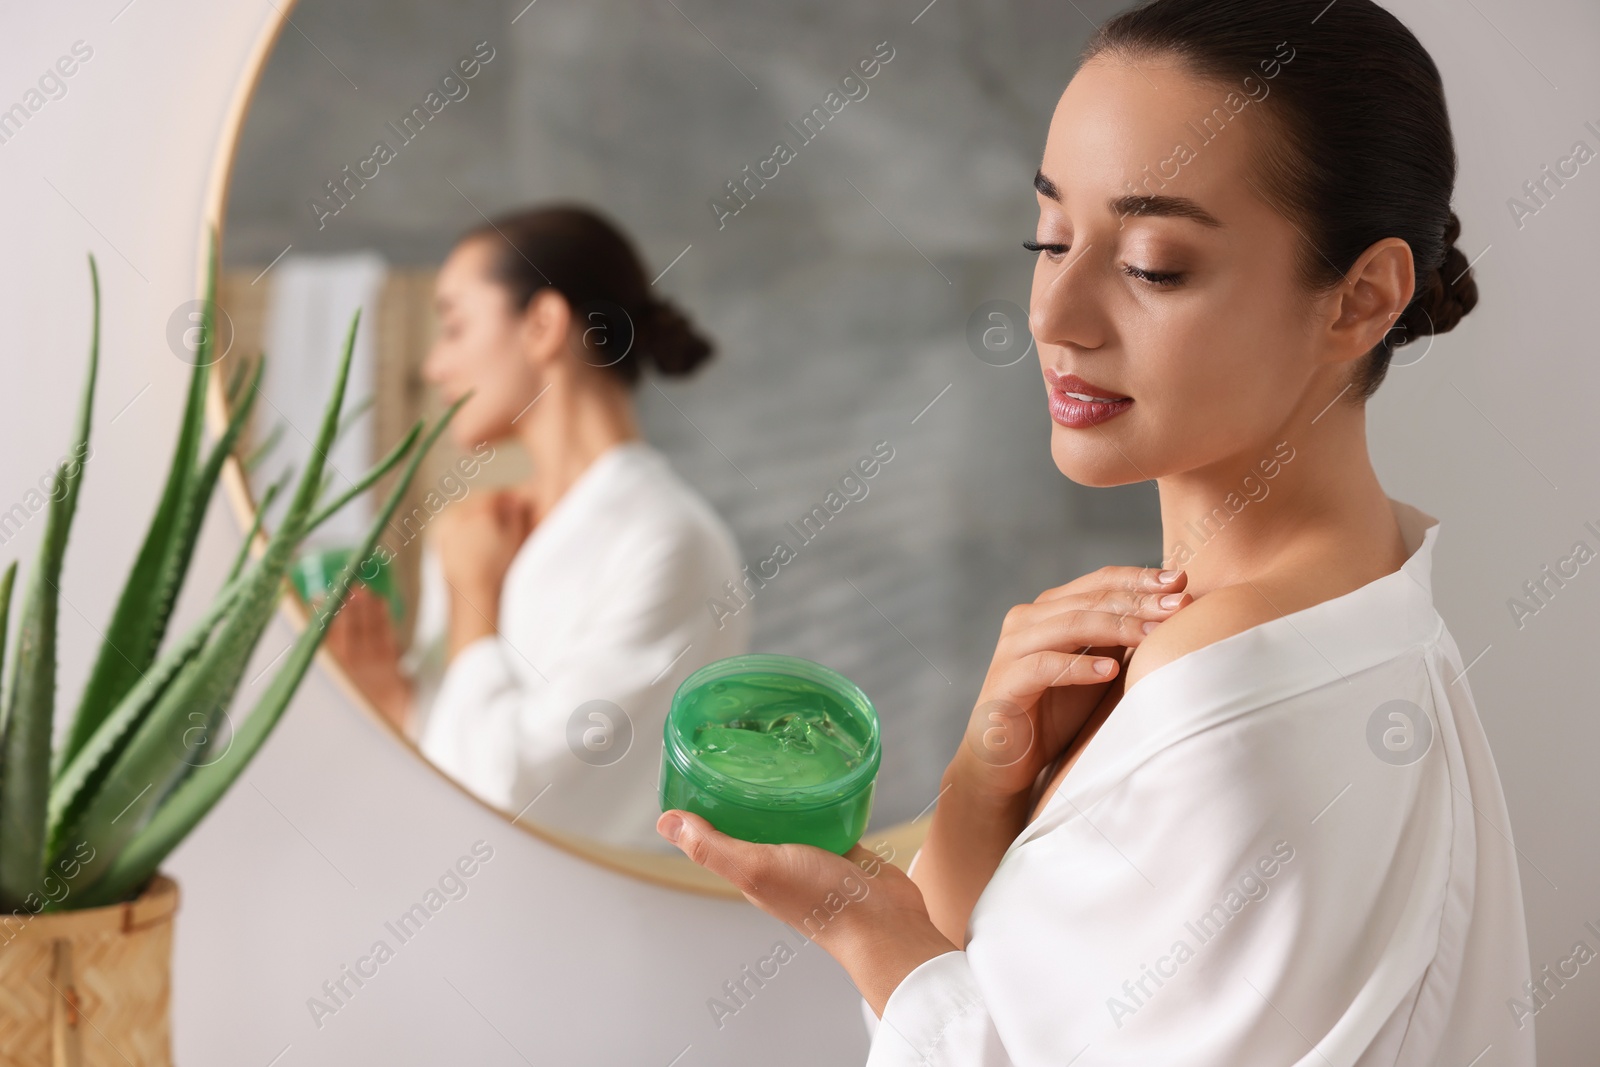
(605, 609)
(1289, 847)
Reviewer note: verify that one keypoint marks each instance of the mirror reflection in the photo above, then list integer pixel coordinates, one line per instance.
(736, 294)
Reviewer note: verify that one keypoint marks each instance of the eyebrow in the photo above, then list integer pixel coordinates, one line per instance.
(1179, 207)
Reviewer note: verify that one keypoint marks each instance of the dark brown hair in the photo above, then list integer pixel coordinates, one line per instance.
(586, 258)
(1358, 144)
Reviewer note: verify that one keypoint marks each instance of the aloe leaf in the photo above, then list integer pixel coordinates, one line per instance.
(267, 499)
(361, 407)
(240, 373)
(322, 610)
(183, 809)
(140, 618)
(6, 583)
(193, 512)
(382, 467)
(150, 763)
(25, 748)
(81, 778)
(257, 455)
(238, 415)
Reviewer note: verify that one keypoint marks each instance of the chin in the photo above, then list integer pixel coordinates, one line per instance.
(473, 424)
(1095, 463)
(466, 434)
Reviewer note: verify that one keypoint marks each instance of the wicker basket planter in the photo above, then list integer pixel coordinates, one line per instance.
(89, 988)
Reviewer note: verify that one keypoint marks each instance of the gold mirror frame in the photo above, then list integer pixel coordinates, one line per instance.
(673, 872)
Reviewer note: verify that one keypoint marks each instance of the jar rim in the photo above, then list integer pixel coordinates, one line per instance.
(680, 753)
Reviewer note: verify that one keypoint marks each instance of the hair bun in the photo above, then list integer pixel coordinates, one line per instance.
(667, 339)
(1449, 292)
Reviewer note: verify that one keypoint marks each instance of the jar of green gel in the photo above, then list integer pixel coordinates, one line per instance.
(772, 749)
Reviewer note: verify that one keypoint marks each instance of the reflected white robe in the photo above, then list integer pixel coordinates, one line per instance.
(1231, 874)
(607, 600)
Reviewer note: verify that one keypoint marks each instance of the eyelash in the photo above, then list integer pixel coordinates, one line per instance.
(1164, 280)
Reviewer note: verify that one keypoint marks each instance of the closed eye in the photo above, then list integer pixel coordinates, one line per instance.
(1163, 279)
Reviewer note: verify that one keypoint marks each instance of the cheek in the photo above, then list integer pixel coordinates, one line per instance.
(1188, 348)
(1219, 369)
(486, 360)
(501, 381)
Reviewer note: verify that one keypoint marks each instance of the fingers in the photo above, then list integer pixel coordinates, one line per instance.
(1037, 628)
(1112, 598)
(510, 513)
(738, 862)
(1053, 667)
(361, 625)
(1003, 732)
(1131, 580)
(504, 507)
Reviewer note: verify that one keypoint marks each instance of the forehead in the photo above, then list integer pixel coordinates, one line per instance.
(467, 264)
(1152, 128)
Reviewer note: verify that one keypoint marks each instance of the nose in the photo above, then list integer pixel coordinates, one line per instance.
(1063, 308)
(430, 368)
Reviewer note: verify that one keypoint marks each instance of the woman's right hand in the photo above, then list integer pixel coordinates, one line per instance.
(361, 636)
(477, 537)
(1042, 683)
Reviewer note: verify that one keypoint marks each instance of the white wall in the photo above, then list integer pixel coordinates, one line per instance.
(334, 830)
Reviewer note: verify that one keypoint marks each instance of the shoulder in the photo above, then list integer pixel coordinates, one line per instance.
(671, 515)
(670, 538)
(1221, 613)
(1324, 569)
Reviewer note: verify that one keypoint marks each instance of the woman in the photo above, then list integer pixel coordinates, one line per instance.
(577, 601)
(1240, 811)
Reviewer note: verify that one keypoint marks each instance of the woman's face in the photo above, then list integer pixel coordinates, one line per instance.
(480, 345)
(1215, 352)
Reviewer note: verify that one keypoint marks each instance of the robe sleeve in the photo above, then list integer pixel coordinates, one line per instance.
(1255, 889)
(937, 1015)
(424, 659)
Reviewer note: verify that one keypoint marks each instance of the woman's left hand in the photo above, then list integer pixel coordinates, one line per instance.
(864, 911)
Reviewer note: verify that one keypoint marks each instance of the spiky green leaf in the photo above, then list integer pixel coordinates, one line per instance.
(139, 621)
(148, 764)
(204, 786)
(25, 747)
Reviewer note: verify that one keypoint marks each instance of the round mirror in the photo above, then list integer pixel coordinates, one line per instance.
(854, 466)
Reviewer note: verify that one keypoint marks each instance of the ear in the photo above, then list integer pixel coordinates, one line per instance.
(545, 326)
(1367, 304)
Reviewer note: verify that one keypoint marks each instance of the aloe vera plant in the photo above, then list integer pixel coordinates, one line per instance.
(88, 823)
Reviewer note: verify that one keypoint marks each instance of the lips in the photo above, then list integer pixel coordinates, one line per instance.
(1087, 391)
(1078, 404)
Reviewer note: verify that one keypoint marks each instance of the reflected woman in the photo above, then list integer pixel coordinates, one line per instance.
(558, 616)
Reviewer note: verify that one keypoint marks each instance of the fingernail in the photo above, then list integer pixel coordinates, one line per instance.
(1103, 666)
(1151, 625)
(671, 828)
(1171, 600)
(1169, 576)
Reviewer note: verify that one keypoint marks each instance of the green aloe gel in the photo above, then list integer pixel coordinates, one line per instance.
(772, 749)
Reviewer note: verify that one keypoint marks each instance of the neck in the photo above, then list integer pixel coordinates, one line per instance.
(1306, 490)
(572, 423)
